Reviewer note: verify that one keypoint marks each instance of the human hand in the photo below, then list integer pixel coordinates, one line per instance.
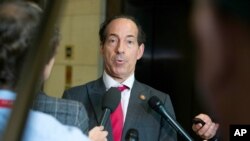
(206, 131)
(98, 134)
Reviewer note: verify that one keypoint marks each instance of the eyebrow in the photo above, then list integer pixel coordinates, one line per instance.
(131, 36)
(112, 34)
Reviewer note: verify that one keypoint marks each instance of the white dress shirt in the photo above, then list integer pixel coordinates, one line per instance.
(125, 95)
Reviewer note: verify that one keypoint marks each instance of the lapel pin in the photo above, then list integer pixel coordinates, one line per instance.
(142, 97)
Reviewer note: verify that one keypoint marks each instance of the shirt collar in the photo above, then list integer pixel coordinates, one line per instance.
(7, 94)
(110, 82)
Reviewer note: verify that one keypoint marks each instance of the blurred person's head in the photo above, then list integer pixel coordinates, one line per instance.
(19, 23)
(222, 29)
(122, 44)
(18, 27)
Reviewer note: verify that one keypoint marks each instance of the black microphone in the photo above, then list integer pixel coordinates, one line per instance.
(132, 135)
(155, 103)
(109, 103)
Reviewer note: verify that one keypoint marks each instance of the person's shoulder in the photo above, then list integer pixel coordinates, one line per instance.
(53, 129)
(68, 102)
(149, 88)
(35, 116)
(52, 101)
(42, 96)
(152, 91)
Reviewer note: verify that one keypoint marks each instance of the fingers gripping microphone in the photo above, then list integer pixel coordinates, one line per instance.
(110, 101)
(155, 103)
(132, 135)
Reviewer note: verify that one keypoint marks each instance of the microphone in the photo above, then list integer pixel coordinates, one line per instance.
(155, 103)
(132, 135)
(109, 103)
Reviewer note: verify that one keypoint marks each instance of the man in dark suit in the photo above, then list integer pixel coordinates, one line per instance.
(122, 44)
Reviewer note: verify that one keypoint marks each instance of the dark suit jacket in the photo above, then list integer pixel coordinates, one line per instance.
(149, 124)
(66, 111)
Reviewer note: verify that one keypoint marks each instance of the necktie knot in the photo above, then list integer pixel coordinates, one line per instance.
(122, 88)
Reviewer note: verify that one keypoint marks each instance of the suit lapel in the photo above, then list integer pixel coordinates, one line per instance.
(136, 107)
(96, 93)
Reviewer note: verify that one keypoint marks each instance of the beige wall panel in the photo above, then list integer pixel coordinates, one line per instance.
(54, 86)
(66, 35)
(79, 28)
(84, 74)
(80, 7)
(85, 39)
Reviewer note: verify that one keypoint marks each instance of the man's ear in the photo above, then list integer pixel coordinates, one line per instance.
(140, 51)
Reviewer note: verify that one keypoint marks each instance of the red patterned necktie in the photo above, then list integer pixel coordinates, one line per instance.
(117, 119)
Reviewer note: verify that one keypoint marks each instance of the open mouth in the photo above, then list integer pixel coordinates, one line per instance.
(119, 61)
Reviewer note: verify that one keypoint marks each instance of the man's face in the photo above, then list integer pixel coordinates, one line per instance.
(120, 49)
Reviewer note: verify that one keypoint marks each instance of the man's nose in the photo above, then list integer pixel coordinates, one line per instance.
(120, 47)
